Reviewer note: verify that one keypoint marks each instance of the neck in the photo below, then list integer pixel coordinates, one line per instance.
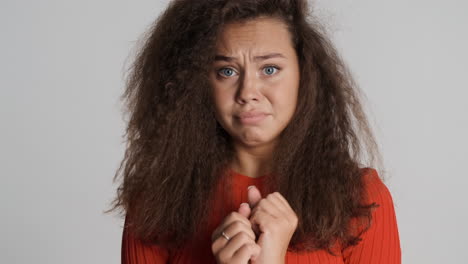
(252, 161)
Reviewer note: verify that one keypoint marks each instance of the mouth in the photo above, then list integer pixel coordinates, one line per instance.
(249, 118)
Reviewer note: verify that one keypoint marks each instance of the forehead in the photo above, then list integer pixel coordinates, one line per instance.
(260, 34)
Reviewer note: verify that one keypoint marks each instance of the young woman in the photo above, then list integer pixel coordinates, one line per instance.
(246, 144)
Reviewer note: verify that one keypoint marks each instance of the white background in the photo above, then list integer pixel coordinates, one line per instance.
(62, 65)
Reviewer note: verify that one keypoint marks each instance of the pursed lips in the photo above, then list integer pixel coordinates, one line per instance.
(251, 117)
(251, 114)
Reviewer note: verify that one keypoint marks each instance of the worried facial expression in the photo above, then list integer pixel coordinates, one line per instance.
(255, 80)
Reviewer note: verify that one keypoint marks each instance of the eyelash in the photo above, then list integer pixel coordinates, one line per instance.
(268, 66)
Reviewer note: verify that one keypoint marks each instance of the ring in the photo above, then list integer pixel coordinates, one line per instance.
(225, 236)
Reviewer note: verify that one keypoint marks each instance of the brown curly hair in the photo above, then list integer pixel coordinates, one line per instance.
(176, 150)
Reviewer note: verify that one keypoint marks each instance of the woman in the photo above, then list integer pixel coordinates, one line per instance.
(246, 144)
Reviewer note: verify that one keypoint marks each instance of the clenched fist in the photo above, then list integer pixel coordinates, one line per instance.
(237, 244)
(274, 221)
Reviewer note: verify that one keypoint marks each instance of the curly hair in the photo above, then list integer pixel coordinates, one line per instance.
(176, 150)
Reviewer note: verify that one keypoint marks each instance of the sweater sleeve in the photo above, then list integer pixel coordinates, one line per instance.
(380, 243)
(136, 252)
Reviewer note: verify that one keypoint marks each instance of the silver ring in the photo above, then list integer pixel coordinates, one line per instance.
(225, 236)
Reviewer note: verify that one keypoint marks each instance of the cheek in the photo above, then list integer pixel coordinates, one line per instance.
(222, 100)
(284, 100)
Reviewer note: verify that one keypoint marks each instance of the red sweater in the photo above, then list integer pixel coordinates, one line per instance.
(379, 245)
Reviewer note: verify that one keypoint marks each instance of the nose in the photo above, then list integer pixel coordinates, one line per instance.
(248, 88)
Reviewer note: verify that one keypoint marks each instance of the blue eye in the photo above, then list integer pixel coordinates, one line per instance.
(226, 71)
(270, 70)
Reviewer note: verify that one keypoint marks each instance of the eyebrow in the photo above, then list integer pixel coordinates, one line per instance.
(256, 58)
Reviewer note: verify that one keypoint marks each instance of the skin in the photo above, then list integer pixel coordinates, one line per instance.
(243, 84)
(260, 231)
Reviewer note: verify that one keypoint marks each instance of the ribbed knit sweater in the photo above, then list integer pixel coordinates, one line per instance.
(380, 244)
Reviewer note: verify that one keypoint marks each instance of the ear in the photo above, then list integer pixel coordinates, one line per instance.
(254, 196)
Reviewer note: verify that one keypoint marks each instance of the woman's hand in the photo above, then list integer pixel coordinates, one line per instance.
(275, 222)
(241, 246)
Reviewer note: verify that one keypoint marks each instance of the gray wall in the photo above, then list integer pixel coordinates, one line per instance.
(62, 66)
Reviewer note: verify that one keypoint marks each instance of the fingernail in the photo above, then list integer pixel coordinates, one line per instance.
(248, 188)
(244, 203)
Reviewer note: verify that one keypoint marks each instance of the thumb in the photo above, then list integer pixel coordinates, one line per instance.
(254, 196)
(244, 210)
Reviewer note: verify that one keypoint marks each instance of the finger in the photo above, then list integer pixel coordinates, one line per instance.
(236, 216)
(289, 213)
(268, 206)
(232, 217)
(244, 210)
(254, 196)
(261, 220)
(232, 230)
(246, 252)
(234, 244)
(237, 227)
(282, 199)
(278, 202)
(218, 244)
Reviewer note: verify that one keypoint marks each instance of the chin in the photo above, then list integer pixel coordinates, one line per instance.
(255, 142)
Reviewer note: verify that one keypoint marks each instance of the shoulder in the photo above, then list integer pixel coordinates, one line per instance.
(380, 243)
(384, 222)
(133, 250)
(375, 188)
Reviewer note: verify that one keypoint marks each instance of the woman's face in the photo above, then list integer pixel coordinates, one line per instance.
(255, 80)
